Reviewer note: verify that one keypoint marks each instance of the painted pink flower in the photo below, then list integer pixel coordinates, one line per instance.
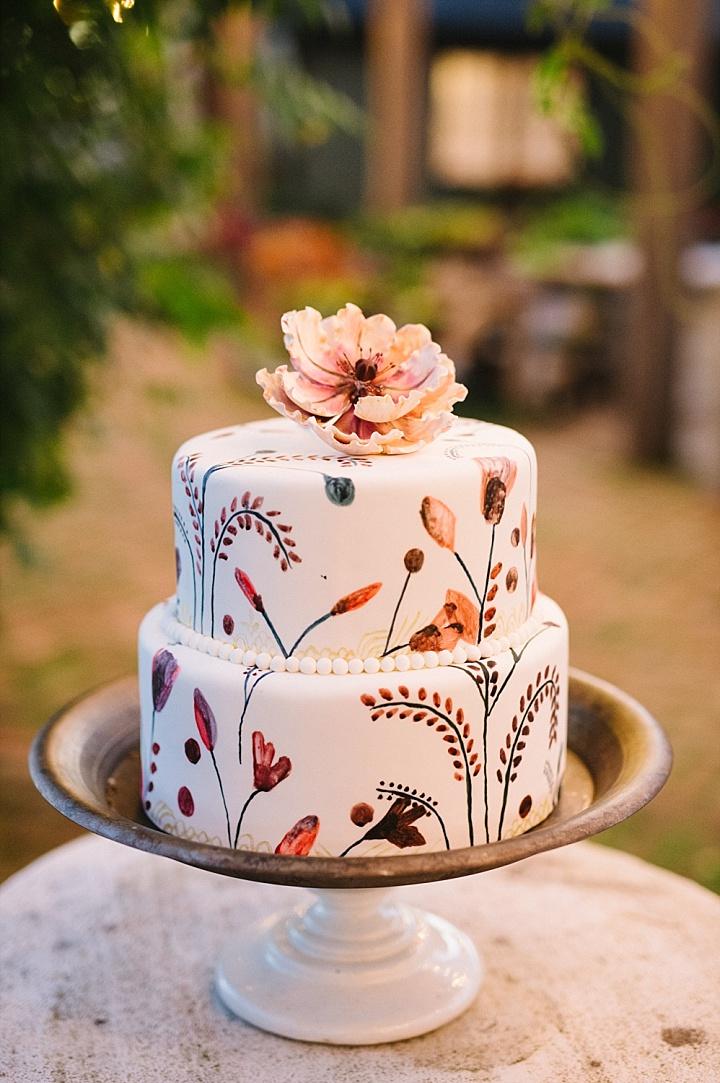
(300, 839)
(266, 774)
(362, 384)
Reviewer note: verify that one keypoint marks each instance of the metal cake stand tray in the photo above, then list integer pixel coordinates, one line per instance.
(355, 965)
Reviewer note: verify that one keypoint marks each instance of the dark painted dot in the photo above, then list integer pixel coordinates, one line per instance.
(185, 801)
(153, 768)
(511, 580)
(228, 625)
(147, 804)
(525, 806)
(362, 814)
(192, 750)
(151, 786)
(515, 537)
(340, 491)
(155, 748)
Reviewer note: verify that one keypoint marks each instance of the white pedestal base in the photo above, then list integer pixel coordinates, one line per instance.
(354, 967)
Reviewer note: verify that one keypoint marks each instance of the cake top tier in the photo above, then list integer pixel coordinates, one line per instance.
(290, 549)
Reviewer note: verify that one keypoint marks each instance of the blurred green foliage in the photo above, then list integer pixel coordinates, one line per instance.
(577, 218)
(101, 149)
(443, 225)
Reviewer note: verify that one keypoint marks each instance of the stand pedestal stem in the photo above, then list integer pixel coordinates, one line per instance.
(351, 967)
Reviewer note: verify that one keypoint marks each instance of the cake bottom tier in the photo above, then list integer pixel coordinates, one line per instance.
(360, 765)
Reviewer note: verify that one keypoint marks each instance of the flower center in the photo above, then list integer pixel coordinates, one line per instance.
(364, 372)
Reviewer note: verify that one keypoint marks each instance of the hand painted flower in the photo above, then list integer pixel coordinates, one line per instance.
(355, 600)
(205, 720)
(266, 774)
(397, 825)
(165, 670)
(362, 384)
(459, 618)
(498, 478)
(246, 586)
(439, 521)
(300, 839)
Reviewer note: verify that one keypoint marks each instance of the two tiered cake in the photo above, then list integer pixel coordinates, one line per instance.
(357, 660)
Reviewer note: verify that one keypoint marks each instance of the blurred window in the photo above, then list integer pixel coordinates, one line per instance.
(486, 130)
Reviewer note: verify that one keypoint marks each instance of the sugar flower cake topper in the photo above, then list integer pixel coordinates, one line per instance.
(365, 386)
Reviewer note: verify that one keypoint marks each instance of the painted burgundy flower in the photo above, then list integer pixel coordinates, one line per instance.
(498, 478)
(355, 599)
(266, 774)
(300, 839)
(362, 384)
(439, 521)
(398, 824)
(165, 671)
(246, 586)
(205, 720)
(459, 618)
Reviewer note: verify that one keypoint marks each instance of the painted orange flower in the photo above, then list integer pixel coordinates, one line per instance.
(300, 839)
(458, 619)
(355, 600)
(498, 478)
(360, 383)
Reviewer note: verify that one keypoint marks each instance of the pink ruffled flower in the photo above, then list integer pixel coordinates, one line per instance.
(362, 384)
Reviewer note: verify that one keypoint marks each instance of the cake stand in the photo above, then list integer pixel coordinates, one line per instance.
(355, 964)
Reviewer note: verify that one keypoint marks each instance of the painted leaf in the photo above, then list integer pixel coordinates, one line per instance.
(439, 521)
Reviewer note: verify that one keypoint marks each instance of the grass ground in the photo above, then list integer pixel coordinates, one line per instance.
(631, 555)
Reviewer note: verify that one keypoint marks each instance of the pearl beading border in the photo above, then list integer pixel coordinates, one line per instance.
(401, 663)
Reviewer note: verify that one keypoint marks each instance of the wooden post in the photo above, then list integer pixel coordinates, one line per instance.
(238, 33)
(665, 158)
(397, 56)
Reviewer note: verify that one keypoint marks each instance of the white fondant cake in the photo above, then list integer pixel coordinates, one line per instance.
(356, 661)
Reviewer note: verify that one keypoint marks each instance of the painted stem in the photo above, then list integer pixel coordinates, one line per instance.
(244, 809)
(400, 647)
(352, 846)
(178, 520)
(517, 658)
(236, 515)
(200, 516)
(315, 623)
(248, 696)
(527, 582)
(425, 804)
(152, 729)
(487, 583)
(470, 579)
(222, 793)
(511, 755)
(276, 637)
(394, 616)
(460, 740)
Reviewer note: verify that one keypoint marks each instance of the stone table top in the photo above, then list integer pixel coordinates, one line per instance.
(600, 968)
